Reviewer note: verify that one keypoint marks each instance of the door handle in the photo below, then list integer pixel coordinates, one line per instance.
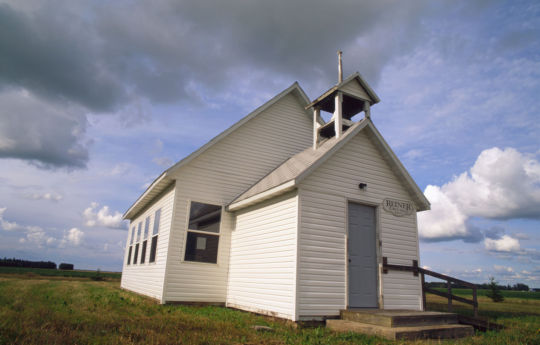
(349, 260)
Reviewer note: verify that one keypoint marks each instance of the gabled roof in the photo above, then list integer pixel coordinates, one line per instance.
(293, 171)
(356, 76)
(166, 178)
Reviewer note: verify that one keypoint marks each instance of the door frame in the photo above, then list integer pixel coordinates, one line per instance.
(378, 249)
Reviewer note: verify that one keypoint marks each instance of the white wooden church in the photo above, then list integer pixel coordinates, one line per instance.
(283, 214)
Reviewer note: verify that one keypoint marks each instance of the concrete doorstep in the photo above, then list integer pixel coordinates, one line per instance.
(396, 325)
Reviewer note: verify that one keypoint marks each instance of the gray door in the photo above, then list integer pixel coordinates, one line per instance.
(362, 257)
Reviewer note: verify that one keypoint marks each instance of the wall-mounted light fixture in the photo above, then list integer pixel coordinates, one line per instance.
(362, 186)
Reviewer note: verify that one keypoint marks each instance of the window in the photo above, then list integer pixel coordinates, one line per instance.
(137, 238)
(145, 239)
(129, 255)
(130, 245)
(155, 232)
(203, 232)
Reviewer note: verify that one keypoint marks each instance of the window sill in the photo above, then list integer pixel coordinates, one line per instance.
(199, 263)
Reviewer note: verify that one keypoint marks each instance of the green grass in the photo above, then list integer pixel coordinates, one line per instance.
(39, 311)
(520, 316)
(64, 310)
(505, 293)
(58, 273)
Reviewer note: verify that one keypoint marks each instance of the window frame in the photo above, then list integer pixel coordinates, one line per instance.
(144, 239)
(188, 230)
(130, 244)
(137, 240)
(128, 262)
(154, 236)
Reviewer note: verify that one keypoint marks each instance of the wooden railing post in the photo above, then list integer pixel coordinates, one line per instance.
(449, 297)
(423, 292)
(475, 301)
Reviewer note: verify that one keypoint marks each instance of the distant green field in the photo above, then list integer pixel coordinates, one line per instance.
(59, 273)
(505, 293)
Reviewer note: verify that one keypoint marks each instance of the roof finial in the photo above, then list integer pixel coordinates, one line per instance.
(340, 67)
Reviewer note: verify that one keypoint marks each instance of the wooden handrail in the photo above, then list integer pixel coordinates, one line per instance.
(415, 269)
(454, 297)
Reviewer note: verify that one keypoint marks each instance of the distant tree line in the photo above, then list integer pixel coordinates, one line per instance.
(515, 287)
(5, 262)
(64, 266)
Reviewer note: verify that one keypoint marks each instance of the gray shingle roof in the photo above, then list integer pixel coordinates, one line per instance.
(295, 166)
(299, 166)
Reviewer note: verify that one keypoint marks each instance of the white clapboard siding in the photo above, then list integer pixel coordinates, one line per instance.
(354, 88)
(322, 286)
(148, 278)
(262, 269)
(217, 176)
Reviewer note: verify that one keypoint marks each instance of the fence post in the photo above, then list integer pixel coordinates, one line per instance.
(415, 267)
(449, 296)
(423, 292)
(475, 300)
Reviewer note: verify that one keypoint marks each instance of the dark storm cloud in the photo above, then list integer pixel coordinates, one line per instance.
(100, 53)
(55, 56)
(42, 133)
(166, 45)
(102, 56)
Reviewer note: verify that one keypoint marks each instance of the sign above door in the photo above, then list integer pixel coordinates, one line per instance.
(398, 208)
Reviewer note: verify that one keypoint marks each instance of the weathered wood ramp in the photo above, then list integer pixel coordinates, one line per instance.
(401, 324)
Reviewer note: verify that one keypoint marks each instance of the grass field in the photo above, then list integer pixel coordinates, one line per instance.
(505, 293)
(47, 272)
(41, 310)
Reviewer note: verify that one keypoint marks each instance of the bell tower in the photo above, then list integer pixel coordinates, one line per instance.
(346, 99)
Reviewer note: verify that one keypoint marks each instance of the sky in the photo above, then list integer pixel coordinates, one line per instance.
(97, 98)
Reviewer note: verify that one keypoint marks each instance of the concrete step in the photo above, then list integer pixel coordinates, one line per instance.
(398, 318)
(408, 333)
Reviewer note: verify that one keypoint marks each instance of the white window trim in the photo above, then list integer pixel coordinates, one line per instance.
(144, 237)
(151, 235)
(186, 227)
(138, 241)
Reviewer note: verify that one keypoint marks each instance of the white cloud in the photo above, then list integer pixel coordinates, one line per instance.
(94, 216)
(32, 233)
(39, 238)
(502, 184)
(414, 154)
(163, 161)
(522, 236)
(13, 226)
(37, 235)
(74, 236)
(503, 269)
(44, 196)
(503, 244)
(444, 220)
(121, 169)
